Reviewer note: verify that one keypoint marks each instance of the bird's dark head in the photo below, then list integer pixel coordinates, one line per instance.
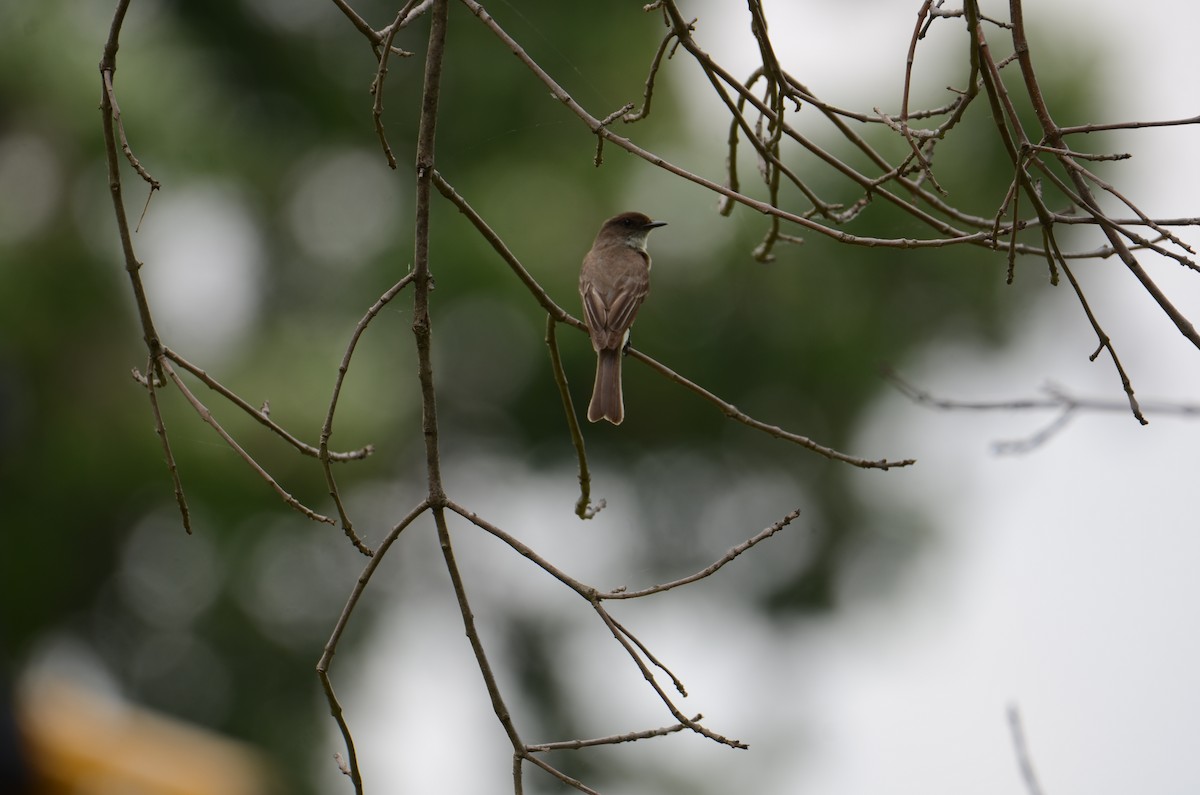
(630, 229)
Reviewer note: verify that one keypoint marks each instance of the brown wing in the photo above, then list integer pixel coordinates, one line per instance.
(613, 283)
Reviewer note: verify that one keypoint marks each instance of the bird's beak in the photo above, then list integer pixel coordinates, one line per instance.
(655, 224)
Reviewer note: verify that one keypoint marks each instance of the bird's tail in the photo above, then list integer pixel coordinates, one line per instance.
(606, 394)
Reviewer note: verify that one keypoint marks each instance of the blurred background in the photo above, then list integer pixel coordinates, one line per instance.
(874, 645)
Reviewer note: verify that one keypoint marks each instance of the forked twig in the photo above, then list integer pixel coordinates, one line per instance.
(675, 680)
(335, 706)
(1057, 399)
(207, 416)
(626, 640)
(260, 416)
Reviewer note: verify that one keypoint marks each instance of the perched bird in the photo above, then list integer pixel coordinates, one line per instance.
(613, 282)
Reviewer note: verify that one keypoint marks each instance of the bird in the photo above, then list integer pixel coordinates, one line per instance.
(613, 282)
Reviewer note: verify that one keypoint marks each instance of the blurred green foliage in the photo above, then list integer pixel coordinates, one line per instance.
(254, 97)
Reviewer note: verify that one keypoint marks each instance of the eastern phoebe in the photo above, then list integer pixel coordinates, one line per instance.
(614, 281)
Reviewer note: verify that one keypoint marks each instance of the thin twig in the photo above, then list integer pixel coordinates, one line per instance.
(1126, 125)
(377, 89)
(125, 147)
(645, 650)
(108, 66)
(160, 429)
(1069, 158)
(1021, 749)
(583, 506)
(327, 428)
(734, 413)
(926, 168)
(497, 244)
(561, 776)
(363, 27)
(648, 92)
(1105, 344)
(598, 159)
(612, 739)
(1050, 150)
(712, 568)
(524, 550)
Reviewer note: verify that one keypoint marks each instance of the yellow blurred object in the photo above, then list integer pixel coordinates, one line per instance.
(83, 743)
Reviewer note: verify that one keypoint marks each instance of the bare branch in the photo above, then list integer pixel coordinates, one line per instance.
(1126, 125)
(1056, 399)
(734, 413)
(561, 776)
(358, 22)
(1021, 749)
